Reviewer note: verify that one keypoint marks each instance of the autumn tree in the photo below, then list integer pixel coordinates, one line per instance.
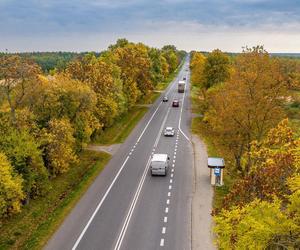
(216, 69)
(104, 79)
(159, 66)
(169, 52)
(23, 152)
(18, 77)
(58, 146)
(247, 106)
(11, 193)
(135, 65)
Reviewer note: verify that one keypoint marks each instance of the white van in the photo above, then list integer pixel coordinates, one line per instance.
(159, 164)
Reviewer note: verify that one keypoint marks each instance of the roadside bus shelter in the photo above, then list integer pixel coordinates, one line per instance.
(216, 166)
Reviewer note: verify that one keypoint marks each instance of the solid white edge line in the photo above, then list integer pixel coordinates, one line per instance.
(98, 206)
(179, 126)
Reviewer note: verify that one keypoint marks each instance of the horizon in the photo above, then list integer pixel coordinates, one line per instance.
(61, 25)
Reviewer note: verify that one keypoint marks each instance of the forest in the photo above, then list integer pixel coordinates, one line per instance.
(46, 120)
(249, 114)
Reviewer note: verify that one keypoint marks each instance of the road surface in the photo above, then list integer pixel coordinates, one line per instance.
(127, 208)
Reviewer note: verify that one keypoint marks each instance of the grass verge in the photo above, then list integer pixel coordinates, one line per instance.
(122, 127)
(32, 228)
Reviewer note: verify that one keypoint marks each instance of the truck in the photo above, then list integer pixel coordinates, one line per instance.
(181, 86)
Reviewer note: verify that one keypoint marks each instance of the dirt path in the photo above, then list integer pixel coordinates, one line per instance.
(202, 236)
(110, 149)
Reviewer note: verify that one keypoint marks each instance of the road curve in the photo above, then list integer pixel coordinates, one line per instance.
(127, 208)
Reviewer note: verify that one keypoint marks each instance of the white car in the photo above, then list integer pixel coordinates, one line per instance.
(169, 131)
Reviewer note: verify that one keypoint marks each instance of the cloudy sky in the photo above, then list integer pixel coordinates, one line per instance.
(85, 25)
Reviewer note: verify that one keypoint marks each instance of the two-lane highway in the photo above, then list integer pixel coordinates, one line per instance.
(127, 208)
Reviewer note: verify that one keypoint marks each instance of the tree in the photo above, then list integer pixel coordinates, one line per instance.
(104, 79)
(135, 65)
(216, 69)
(247, 106)
(11, 193)
(58, 143)
(18, 77)
(25, 156)
(63, 97)
(274, 160)
(257, 225)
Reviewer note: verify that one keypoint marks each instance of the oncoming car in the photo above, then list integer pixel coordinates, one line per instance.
(169, 131)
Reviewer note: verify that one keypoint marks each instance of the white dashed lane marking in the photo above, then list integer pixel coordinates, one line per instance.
(163, 231)
(167, 210)
(162, 242)
(165, 219)
(170, 187)
(169, 194)
(168, 201)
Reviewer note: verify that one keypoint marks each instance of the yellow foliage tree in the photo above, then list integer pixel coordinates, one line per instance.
(247, 106)
(11, 193)
(58, 144)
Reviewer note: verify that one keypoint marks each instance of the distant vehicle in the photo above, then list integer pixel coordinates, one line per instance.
(165, 99)
(175, 103)
(169, 131)
(159, 164)
(186, 69)
(181, 86)
(184, 78)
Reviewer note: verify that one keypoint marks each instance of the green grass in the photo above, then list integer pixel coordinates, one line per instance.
(32, 228)
(122, 127)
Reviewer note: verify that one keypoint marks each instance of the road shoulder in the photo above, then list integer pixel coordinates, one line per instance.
(202, 224)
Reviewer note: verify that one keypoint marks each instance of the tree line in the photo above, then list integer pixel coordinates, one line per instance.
(243, 100)
(46, 120)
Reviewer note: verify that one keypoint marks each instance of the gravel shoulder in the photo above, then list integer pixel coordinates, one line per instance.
(202, 223)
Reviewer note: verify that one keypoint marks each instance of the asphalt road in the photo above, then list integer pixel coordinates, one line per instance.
(127, 208)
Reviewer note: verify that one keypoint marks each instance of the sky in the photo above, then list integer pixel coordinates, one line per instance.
(204, 25)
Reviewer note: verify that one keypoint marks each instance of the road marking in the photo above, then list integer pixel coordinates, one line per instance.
(169, 194)
(174, 161)
(163, 231)
(168, 201)
(162, 242)
(138, 191)
(167, 210)
(170, 187)
(98, 206)
(132, 206)
(138, 140)
(165, 219)
(179, 124)
(171, 181)
(175, 152)
(172, 170)
(173, 165)
(172, 175)
(174, 156)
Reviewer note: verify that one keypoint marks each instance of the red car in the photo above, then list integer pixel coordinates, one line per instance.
(175, 103)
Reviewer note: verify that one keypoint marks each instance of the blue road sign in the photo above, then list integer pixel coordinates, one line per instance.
(217, 171)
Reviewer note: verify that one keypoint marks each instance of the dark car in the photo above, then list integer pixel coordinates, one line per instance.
(165, 99)
(184, 78)
(175, 103)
